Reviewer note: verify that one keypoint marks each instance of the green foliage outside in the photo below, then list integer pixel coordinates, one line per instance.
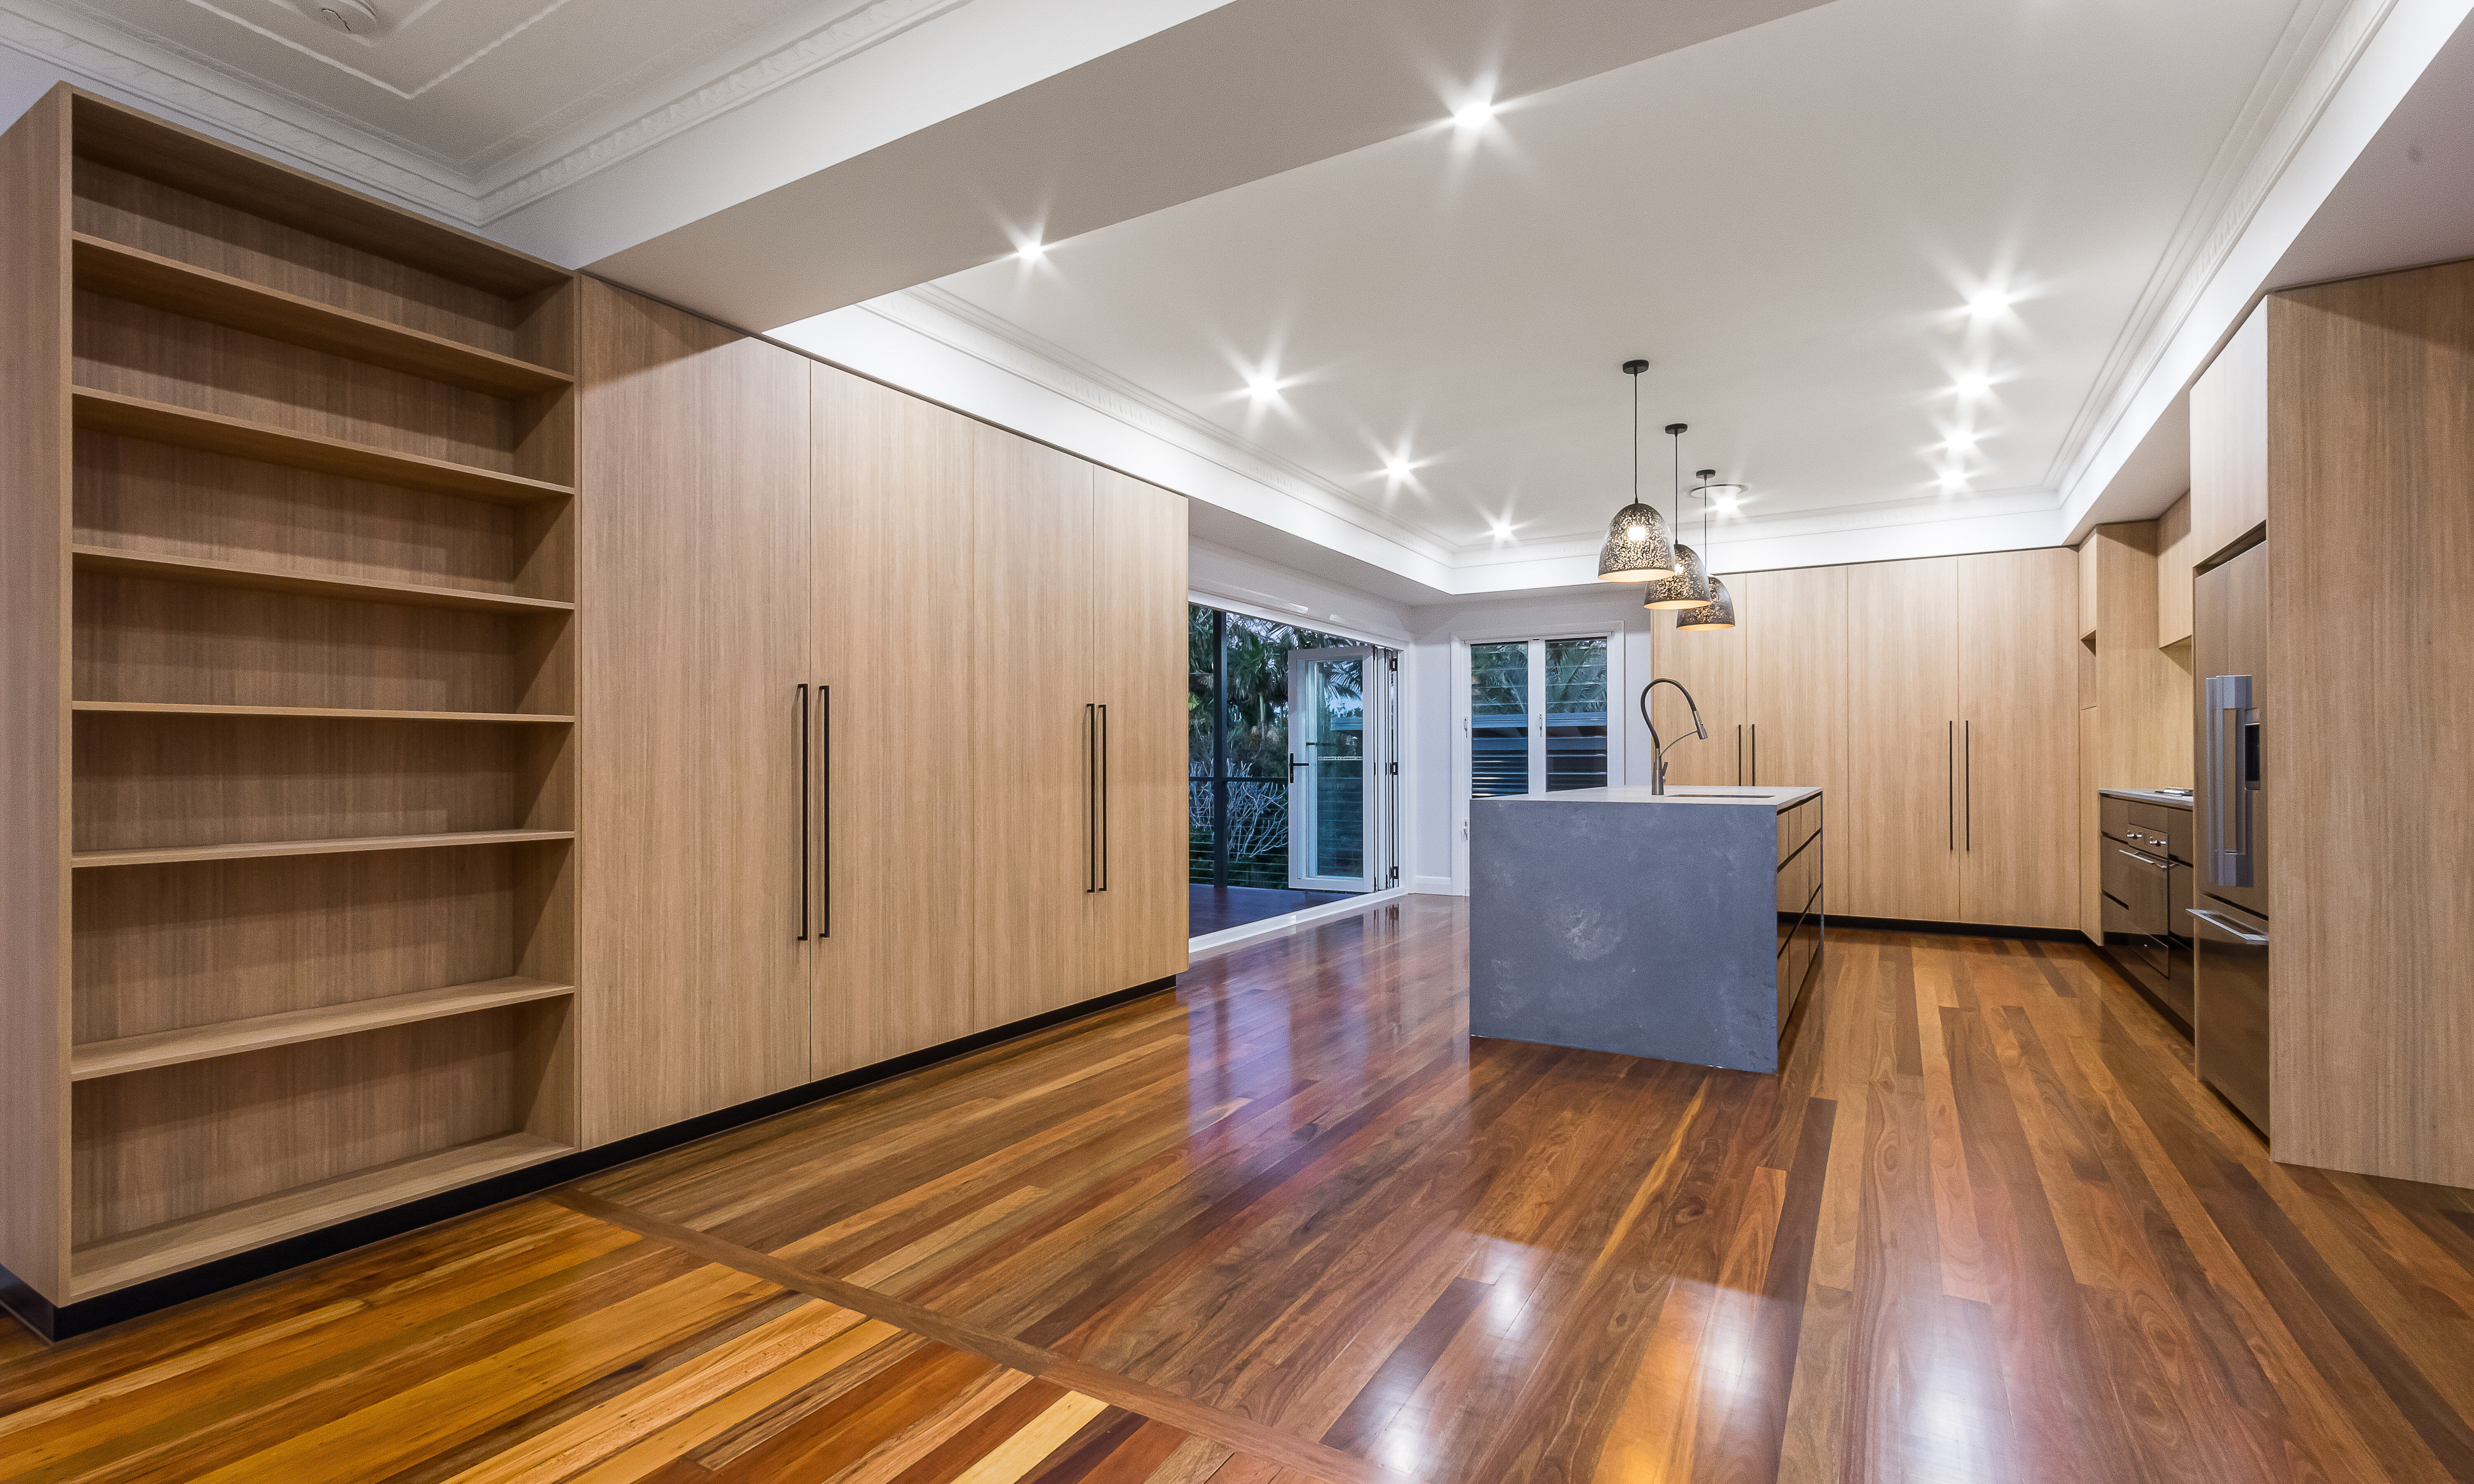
(1258, 744)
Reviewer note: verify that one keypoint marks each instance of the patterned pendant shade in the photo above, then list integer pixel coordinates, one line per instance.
(1688, 587)
(1719, 612)
(1638, 548)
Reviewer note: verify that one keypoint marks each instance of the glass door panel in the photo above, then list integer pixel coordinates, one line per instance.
(1331, 800)
(1575, 714)
(1498, 719)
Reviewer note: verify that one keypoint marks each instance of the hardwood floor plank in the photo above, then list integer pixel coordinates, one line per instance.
(1290, 1223)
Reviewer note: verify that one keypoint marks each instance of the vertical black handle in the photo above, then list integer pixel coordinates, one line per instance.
(1090, 797)
(825, 840)
(1756, 754)
(1950, 782)
(1739, 755)
(1967, 777)
(1103, 796)
(803, 811)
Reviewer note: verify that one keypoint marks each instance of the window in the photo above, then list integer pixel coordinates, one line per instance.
(1538, 719)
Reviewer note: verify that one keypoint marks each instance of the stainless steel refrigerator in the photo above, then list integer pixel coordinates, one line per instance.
(2229, 921)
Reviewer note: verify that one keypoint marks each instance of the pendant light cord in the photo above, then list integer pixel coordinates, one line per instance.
(1635, 438)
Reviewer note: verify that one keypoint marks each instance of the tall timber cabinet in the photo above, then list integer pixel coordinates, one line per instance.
(466, 723)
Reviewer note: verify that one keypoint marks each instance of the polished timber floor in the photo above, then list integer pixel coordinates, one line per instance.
(1289, 1225)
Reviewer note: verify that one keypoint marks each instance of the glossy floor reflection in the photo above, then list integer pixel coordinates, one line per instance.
(1289, 1224)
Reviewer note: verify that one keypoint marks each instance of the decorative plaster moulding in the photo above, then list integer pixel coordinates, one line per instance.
(150, 72)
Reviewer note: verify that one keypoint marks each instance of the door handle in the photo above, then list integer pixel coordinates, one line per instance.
(1739, 755)
(824, 895)
(1090, 797)
(1757, 757)
(825, 837)
(2213, 919)
(1104, 797)
(1967, 777)
(1950, 784)
(803, 812)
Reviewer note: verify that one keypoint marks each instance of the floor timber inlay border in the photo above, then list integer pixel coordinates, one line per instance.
(1239, 1433)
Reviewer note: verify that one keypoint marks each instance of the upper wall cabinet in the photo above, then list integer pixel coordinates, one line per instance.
(2229, 443)
(2175, 555)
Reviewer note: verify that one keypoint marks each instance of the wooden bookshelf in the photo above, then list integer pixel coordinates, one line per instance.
(267, 850)
(143, 277)
(329, 712)
(258, 1033)
(263, 579)
(111, 411)
(290, 534)
(136, 1255)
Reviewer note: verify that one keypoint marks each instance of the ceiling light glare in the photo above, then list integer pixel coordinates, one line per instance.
(1987, 303)
(1261, 388)
(1395, 468)
(1032, 251)
(1474, 115)
(1973, 384)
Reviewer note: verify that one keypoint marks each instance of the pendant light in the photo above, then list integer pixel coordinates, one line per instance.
(1637, 549)
(1690, 585)
(1719, 612)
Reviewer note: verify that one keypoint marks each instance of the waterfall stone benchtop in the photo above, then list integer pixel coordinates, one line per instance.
(1682, 926)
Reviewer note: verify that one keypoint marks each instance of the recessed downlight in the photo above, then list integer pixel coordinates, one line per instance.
(352, 17)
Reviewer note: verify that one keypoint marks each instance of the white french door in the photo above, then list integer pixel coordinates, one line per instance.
(1334, 762)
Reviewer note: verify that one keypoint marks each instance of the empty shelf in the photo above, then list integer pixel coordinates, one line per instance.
(235, 574)
(202, 294)
(163, 855)
(116, 1262)
(110, 412)
(346, 713)
(232, 1037)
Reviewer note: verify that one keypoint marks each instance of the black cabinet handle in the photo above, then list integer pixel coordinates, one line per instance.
(1090, 797)
(1757, 756)
(803, 811)
(1967, 777)
(1104, 797)
(1950, 782)
(825, 845)
(825, 841)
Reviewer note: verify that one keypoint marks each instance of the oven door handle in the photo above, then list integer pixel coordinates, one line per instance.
(2221, 924)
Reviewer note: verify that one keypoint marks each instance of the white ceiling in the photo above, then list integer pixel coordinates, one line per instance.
(1787, 222)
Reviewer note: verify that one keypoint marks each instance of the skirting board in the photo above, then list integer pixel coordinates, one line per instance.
(63, 1321)
(1961, 929)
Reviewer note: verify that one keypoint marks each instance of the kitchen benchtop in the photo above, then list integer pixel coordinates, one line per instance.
(1676, 792)
(2148, 795)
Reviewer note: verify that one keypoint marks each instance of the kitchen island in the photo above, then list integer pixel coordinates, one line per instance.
(1682, 926)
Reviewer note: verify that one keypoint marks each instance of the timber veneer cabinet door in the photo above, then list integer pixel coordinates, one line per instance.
(1033, 693)
(1709, 665)
(2018, 704)
(1902, 825)
(896, 615)
(1795, 697)
(288, 525)
(1139, 620)
(696, 451)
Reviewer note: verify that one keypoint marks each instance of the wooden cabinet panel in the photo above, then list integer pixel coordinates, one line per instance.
(1899, 831)
(2229, 440)
(2174, 555)
(1796, 696)
(2367, 725)
(1709, 665)
(2091, 828)
(2018, 739)
(1140, 650)
(1033, 687)
(893, 888)
(696, 567)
